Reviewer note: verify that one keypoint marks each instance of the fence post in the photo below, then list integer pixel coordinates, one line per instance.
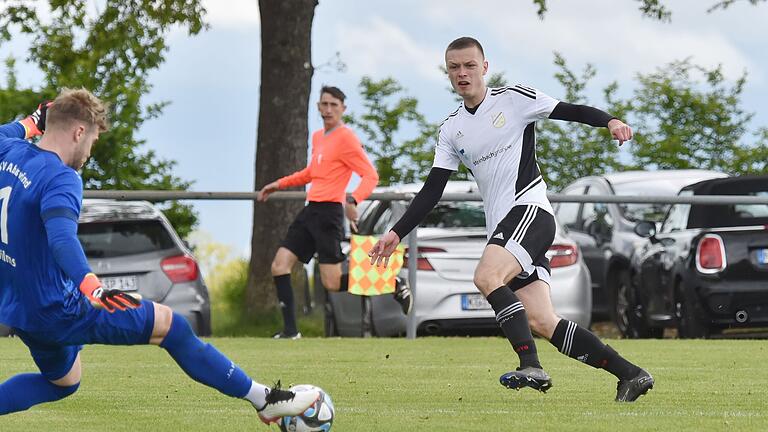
(413, 254)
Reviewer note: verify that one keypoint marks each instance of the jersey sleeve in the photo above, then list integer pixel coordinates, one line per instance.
(445, 153)
(536, 104)
(13, 130)
(357, 160)
(62, 197)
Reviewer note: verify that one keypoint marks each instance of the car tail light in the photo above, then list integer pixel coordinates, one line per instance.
(710, 254)
(181, 268)
(562, 255)
(422, 263)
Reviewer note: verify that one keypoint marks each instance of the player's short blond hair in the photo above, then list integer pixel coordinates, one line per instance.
(77, 105)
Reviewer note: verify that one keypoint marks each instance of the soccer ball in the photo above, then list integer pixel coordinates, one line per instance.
(318, 417)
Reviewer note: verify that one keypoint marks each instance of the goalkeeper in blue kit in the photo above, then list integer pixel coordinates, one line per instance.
(48, 294)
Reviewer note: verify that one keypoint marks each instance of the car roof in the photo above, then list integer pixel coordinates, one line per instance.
(683, 175)
(729, 186)
(101, 210)
(451, 187)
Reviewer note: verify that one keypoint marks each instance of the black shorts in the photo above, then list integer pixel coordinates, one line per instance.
(527, 232)
(319, 227)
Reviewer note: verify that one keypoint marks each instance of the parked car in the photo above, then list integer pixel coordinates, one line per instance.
(605, 232)
(451, 240)
(706, 268)
(131, 246)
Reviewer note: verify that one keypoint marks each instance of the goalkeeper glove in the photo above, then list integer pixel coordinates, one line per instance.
(34, 124)
(109, 299)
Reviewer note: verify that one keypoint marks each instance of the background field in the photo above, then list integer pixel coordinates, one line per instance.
(430, 384)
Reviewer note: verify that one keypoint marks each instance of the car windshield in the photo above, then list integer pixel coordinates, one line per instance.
(120, 238)
(636, 212)
(464, 214)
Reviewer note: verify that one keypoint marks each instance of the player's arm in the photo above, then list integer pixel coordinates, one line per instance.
(28, 127)
(299, 178)
(593, 117)
(420, 206)
(59, 210)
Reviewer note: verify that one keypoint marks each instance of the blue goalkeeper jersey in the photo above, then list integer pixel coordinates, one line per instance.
(35, 186)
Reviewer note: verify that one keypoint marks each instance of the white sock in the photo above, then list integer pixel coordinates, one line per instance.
(257, 395)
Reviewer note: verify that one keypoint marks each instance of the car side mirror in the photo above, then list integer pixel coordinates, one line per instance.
(646, 229)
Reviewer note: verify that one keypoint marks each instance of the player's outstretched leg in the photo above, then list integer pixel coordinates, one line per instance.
(23, 391)
(511, 316)
(206, 365)
(581, 344)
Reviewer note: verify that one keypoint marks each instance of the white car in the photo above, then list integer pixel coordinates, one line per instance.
(451, 239)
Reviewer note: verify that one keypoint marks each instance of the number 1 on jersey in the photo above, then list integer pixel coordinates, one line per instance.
(5, 195)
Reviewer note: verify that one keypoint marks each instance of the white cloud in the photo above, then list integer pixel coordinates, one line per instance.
(379, 47)
(232, 13)
(613, 37)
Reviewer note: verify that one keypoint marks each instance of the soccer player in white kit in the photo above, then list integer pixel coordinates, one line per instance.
(493, 134)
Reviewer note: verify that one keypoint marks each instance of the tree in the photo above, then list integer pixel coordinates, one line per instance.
(688, 116)
(110, 52)
(567, 151)
(386, 111)
(281, 147)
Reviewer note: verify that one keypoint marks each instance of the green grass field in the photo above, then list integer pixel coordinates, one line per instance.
(430, 384)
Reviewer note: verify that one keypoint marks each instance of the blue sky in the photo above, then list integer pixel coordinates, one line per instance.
(212, 80)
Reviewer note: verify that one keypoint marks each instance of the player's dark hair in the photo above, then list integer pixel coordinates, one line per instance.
(465, 42)
(333, 91)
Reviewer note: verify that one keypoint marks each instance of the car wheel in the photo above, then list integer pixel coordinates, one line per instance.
(689, 323)
(628, 311)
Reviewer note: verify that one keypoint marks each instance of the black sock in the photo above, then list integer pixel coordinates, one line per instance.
(584, 346)
(510, 314)
(344, 283)
(285, 295)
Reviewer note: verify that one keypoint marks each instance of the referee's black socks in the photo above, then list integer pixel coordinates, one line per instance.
(510, 314)
(584, 346)
(287, 307)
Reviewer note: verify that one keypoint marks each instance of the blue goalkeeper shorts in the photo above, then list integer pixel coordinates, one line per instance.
(55, 350)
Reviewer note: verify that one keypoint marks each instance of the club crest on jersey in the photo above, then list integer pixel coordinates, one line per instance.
(499, 120)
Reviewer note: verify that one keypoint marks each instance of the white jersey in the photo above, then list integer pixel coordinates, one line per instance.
(498, 144)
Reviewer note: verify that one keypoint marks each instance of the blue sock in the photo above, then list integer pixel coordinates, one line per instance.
(202, 362)
(26, 390)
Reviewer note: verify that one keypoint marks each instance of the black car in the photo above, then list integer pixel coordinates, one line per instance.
(605, 232)
(706, 269)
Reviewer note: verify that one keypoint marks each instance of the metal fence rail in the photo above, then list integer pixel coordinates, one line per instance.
(151, 195)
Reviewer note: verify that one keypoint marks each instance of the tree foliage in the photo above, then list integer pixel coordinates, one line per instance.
(387, 110)
(566, 150)
(688, 116)
(109, 48)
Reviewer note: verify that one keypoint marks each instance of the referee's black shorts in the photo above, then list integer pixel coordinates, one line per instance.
(319, 227)
(527, 232)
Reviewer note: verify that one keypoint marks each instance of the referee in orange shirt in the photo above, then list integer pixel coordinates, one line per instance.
(319, 227)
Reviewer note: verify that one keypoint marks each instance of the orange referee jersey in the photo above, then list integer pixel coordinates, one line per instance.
(335, 156)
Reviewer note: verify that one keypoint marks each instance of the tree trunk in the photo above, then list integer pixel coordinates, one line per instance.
(281, 146)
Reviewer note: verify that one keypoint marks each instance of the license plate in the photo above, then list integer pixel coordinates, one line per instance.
(474, 302)
(122, 283)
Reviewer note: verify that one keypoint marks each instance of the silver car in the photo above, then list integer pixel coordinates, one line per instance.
(131, 246)
(451, 240)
